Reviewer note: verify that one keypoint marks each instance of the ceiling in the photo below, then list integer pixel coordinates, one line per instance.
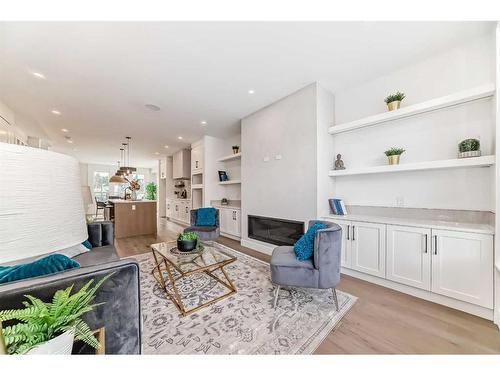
(99, 76)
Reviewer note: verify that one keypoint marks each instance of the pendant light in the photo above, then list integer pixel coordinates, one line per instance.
(118, 176)
(127, 169)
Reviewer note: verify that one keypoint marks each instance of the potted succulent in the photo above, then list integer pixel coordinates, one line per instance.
(394, 101)
(236, 149)
(469, 148)
(50, 327)
(393, 154)
(187, 241)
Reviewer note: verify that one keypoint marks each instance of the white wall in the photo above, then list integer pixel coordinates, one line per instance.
(283, 188)
(428, 137)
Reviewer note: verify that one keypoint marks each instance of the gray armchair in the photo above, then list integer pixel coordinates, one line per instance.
(320, 272)
(205, 233)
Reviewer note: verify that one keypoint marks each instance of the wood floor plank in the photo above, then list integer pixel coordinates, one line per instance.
(382, 321)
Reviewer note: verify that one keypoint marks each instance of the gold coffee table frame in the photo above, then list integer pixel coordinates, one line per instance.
(163, 263)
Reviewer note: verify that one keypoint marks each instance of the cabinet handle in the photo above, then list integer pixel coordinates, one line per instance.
(196, 163)
(348, 229)
(353, 233)
(435, 245)
(425, 251)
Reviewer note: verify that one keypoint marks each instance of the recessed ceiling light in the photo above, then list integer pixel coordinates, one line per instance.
(70, 140)
(152, 107)
(203, 122)
(38, 75)
(64, 130)
(179, 137)
(55, 112)
(157, 153)
(166, 146)
(251, 91)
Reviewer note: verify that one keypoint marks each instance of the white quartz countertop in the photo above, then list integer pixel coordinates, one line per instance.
(116, 201)
(231, 207)
(415, 222)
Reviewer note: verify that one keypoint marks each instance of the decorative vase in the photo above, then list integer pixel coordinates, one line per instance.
(394, 105)
(62, 344)
(393, 159)
(469, 154)
(185, 246)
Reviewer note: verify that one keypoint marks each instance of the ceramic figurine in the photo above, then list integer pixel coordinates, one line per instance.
(339, 163)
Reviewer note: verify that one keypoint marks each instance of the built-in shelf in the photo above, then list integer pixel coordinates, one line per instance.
(447, 101)
(482, 161)
(197, 186)
(230, 182)
(230, 157)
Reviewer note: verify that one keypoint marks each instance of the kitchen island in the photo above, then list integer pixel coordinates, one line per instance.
(134, 217)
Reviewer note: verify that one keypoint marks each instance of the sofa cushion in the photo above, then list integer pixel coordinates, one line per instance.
(98, 255)
(284, 256)
(205, 217)
(45, 266)
(304, 247)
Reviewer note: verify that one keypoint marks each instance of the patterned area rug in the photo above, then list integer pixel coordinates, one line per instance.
(244, 323)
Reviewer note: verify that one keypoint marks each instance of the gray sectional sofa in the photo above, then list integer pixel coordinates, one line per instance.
(121, 313)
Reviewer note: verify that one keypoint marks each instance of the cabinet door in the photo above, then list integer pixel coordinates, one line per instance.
(462, 266)
(177, 165)
(409, 256)
(225, 220)
(368, 248)
(237, 223)
(345, 251)
(175, 214)
(169, 208)
(197, 159)
(186, 214)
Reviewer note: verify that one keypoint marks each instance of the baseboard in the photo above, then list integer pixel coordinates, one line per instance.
(482, 312)
(230, 236)
(260, 246)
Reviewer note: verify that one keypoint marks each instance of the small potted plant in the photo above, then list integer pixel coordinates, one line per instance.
(51, 327)
(187, 241)
(469, 148)
(236, 149)
(394, 101)
(393, 154)
(151, 191)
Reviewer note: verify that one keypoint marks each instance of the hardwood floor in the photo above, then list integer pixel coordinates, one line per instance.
(382, 321)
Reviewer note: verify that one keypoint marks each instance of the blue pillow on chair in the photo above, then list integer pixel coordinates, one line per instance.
(45, 266)
(304, 247)
(205, 217)
(87, 244)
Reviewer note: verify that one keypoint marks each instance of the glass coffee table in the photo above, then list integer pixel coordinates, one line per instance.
(206, 258)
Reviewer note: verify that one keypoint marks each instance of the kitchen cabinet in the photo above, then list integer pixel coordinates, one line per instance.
(368, 248)
(409, 256)
(197, 159)
(181, 166)
(462, 266)
(163, 169)
(230, 221)
(169, 209)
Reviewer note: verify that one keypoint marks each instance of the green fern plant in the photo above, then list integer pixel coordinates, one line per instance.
(39, 321)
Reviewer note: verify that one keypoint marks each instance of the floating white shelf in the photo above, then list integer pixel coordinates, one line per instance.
(197, 186)
(482, 161)
(230, 157)
(457, 98)
(230, 182)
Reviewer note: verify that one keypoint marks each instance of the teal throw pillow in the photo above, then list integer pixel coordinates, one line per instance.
(45, 266)
(304, 247)
(87, 244)
(205, 217)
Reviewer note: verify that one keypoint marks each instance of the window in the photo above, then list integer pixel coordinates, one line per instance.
(101, 186)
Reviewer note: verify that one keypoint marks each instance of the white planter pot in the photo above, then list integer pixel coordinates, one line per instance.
(62, 344)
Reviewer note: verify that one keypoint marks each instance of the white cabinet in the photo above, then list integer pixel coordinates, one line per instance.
(163, 168)
(409, 256)
(197, 159)
(185, 208)
(230, 221)
(462, 266)
(169, 210)
(345, 251)
(368, 248)
(181, 167)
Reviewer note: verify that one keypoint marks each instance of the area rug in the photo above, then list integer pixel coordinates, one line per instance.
(244, 323)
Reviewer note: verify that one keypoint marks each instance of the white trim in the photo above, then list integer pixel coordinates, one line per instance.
(260, 246)
(423, 294)
(481, 161)
(461, 97)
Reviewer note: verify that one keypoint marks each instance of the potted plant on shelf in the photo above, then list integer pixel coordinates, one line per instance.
(51, 328)
(469, 148)
(236, 149)
(394, 101)
(187, 241)
(151, 191)
(393, 154)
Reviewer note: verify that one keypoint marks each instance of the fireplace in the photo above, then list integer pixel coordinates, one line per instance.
(276, 231)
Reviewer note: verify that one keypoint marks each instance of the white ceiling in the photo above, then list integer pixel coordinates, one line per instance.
(100, 75)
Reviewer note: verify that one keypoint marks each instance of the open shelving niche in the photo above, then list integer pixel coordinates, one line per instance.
(455, 99)
(197, 190)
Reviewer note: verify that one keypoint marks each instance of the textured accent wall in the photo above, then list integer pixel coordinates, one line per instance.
(41, 205)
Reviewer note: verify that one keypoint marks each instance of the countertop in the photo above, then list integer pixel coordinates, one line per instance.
(231, 207)
(116, 201)
(423, 223)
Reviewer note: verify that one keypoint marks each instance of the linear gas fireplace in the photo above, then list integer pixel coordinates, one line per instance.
(276, 231)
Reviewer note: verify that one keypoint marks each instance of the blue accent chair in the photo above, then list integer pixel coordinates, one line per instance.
(205, 233)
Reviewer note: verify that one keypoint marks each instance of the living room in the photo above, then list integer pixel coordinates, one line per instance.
(249, 188)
